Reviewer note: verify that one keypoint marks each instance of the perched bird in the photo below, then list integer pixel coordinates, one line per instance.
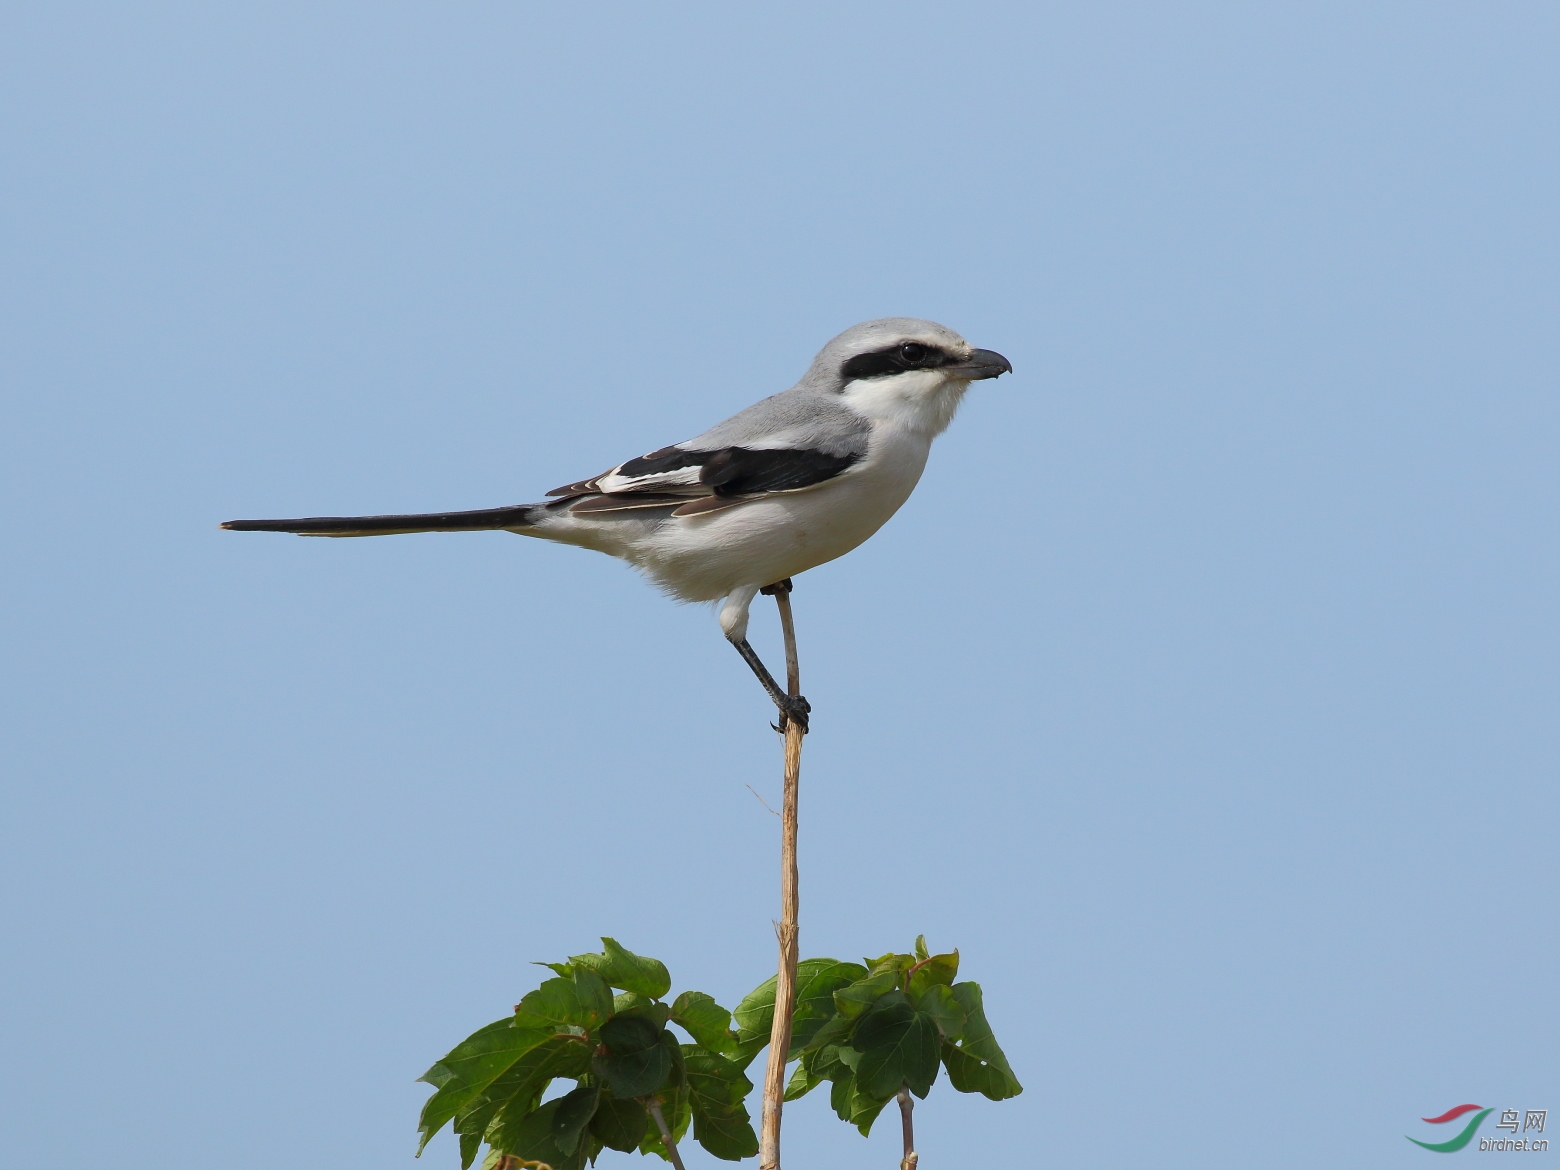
(787, 484)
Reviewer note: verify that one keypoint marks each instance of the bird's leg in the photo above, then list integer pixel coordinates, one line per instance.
(734, 622)
(790, 707)
(781, 592)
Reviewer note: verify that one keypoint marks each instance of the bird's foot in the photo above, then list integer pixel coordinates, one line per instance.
(792, 707)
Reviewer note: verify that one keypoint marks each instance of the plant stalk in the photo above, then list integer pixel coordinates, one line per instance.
(786, 928)
(908, 1129)
(666, 1134)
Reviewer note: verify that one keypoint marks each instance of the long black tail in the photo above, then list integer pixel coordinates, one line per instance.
(515, 516)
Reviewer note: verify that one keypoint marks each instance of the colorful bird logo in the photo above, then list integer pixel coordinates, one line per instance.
(1462, 1139)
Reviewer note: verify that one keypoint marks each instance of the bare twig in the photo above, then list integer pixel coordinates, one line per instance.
(786, 928)
(654, 1106)
(762, 801)
(908, 1129)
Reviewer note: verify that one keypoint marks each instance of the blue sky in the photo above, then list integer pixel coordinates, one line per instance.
(1203, 695)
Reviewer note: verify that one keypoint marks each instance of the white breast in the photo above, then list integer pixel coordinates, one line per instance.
(701, 558)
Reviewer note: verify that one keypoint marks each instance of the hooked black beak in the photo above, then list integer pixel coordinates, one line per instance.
(982, 363)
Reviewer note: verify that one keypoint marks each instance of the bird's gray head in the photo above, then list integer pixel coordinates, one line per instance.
(911, 370)
(892, 346)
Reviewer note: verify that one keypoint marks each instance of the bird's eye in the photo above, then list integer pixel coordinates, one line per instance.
(913, 353)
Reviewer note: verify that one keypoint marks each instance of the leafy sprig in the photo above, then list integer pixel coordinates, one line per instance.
(873, 1029)
(629, 1069)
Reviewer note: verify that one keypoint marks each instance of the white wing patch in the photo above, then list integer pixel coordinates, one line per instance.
(657, 481)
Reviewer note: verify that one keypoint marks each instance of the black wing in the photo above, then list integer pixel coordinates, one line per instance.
(703, 481)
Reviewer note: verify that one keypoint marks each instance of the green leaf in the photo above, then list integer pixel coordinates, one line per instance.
(626, 1035)
(883, 1022)
(808, 1075)
(573, 1114)
(484, 1054)
(498, 1112)
(855, 998)
(533, 1139)
(560, 1002)
(890, 962)
(678, 1076)
(470, 1143)
(864, 1109)
(631, 1003)
(920, 947)
(855, 1106)
(728, 1138)
(898, 1046)
(717, 1088)
(563, 969)
(803, 1081)
(969, 1074)
(470, 1067)
(595, 995)
(706, 1021)
(620, 1125)
(636, 1062)
(678, 1114)
(836, 1030)
(839, 1096)
(850, 1103)
(717, 1085)
(627, 971)
(976, 1064)
(911, 1060)
(831, 1061)
(848, 1056)
(815, 999)
(939, 969)
(755, 1015)
(939, 1003)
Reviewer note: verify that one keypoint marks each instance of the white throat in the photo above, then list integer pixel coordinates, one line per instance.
(922, 402)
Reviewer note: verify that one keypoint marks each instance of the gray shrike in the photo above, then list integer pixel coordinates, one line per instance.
(787, 484)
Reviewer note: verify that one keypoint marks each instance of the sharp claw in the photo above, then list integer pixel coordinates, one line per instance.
(796, 708)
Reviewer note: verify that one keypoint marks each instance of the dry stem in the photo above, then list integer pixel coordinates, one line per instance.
(786, 928)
